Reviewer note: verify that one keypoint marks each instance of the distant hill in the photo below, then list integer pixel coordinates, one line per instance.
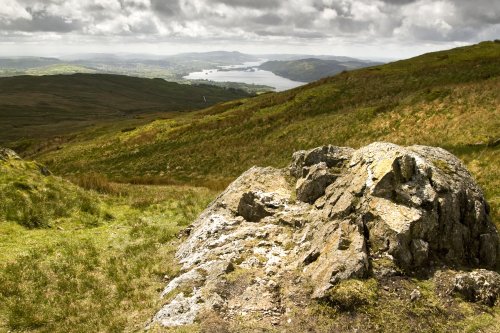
(312, 69)
(288, 57)
(172, 68)
(448, 99)
(34, 107)
(26, 62)
(217, 57)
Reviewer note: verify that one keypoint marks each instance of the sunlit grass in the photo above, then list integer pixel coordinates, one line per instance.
(99, 279)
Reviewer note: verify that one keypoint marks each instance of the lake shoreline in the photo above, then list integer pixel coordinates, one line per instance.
(248, 73)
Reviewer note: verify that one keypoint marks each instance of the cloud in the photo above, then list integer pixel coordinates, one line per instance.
(345, 21)
(257, 4)
(166, 8)
(11, 10)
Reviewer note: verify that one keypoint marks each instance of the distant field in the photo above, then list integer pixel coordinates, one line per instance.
(32, 107)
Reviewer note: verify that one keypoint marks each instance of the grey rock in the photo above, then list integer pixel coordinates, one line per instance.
(478, 286)
(414, 206)
(254, 206)
(333, 157)
(415, 295)
(313, 185)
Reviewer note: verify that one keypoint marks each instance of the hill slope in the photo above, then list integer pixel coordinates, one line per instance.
(308, 70)
(37, 107)
(449, 99)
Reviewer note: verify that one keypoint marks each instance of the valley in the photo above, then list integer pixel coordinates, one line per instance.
(192, 68)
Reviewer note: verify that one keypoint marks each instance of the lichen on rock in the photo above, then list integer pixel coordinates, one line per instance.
(354, 211)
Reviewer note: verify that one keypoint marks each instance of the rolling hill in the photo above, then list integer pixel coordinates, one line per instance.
(449, 99)
(311, 69)
(46, 106)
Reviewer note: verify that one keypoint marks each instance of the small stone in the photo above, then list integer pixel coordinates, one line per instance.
(415, 295)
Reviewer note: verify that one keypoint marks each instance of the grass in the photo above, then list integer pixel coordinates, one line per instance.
(448, 99)
(100, 279)
(33, 198)
(370, 306)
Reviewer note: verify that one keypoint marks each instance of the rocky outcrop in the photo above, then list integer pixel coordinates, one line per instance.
(10, 157)
(334, 214)
(8, 154)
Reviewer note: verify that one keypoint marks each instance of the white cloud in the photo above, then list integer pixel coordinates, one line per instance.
(292, 22)
(12, 10)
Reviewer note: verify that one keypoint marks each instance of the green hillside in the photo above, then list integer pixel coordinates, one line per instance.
(41, 107)
(308, 70)
(449, 99)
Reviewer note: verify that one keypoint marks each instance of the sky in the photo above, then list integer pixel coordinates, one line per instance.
(371, 29)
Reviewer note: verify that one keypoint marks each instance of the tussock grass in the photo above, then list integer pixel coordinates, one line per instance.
(94, 181)
(37, 200)
(101, 279)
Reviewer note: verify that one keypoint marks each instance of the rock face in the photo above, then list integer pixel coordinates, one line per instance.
(334, 214)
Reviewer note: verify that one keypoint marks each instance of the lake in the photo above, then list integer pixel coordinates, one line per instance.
(245, 74)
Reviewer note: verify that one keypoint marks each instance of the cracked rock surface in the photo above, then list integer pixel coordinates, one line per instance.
(335, 213)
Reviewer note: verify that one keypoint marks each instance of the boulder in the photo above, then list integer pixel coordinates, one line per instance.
(480, 285)
(335, 213)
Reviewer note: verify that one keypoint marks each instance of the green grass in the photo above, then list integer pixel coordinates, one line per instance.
(98, 279)
(32, 198)
(448, 99)
(370, 306)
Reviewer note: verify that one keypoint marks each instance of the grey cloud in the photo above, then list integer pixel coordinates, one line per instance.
(41, 21)
(133, 5)
(355, 19)
(257, 4)
(349, 26)
(166, 8)
(268, 19)
(399, 2)
(287, 33)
